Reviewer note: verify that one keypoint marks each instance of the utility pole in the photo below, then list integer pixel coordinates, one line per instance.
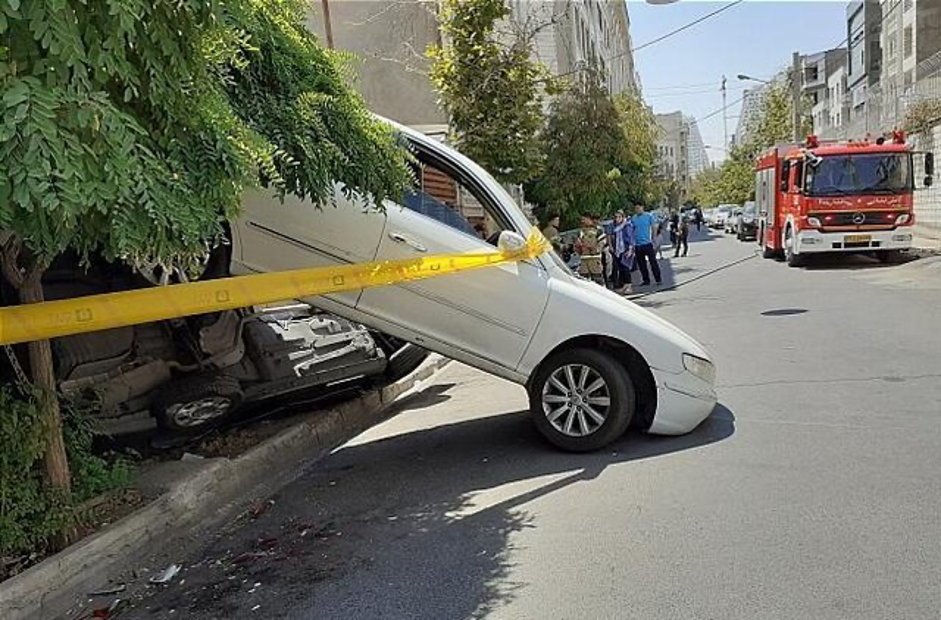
(327, 26)
(725, 117)
(796, 83)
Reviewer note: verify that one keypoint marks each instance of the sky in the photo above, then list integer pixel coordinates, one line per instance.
(756, 37)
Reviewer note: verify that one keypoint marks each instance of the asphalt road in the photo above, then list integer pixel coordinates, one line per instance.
(811, 492)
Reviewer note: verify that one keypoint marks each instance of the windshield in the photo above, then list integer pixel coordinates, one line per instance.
(750, 208)
(841, 175)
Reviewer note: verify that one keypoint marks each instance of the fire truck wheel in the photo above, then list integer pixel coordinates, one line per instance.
(793, 260)
(889, 256)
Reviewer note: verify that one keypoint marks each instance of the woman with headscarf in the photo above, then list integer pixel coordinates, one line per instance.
(623, 253)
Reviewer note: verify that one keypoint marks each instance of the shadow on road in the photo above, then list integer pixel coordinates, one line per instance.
(414, 525)
(850, 262)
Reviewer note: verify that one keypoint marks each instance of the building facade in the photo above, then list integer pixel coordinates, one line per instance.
(568, 35)
(673, 153)
(389, 40)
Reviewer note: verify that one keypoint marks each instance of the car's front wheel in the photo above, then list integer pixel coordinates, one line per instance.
(582, 400)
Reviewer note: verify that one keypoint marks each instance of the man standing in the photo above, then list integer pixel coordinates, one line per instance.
(682, 237)
(645, 229)
(551, 233)
(589, 248)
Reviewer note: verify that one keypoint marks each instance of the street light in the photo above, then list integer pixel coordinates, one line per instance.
(744, 77)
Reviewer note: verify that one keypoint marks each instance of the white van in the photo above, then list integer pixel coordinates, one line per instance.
(592, 362)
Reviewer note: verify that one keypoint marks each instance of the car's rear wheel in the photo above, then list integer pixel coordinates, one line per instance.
(582, 400)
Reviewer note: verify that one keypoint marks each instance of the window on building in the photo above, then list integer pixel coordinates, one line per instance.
(908, 42)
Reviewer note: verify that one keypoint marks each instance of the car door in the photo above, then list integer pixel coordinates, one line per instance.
(486, 316)
(272, 235)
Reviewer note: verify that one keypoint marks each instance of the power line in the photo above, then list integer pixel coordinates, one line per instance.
(725, 7)
(691, 93)
(663, 36)
(683, 86)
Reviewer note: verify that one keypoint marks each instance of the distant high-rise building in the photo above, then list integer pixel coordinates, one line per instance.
(698, 158)
(752, 101)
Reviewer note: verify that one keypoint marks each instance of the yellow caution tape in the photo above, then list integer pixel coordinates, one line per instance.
(53, 319)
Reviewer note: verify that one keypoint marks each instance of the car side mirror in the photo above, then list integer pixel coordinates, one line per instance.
(510, 241)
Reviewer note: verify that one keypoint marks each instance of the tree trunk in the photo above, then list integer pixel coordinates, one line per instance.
(42, 373)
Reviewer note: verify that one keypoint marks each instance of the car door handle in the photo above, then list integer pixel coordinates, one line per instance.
(400, 238)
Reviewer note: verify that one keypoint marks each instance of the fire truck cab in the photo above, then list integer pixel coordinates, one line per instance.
(836, 197)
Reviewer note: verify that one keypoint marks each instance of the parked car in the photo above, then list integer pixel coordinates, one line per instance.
(593, 363)
(721, 215)
(732, 220)
(746, 228)
(709, 217)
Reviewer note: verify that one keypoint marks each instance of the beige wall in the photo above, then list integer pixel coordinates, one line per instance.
(389, 41)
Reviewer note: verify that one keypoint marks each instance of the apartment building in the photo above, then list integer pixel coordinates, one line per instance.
(673, 152)
(571, 34)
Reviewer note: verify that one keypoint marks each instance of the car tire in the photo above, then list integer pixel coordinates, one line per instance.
(568, 407)
(792, 259)
(404, 361)
(196, 402)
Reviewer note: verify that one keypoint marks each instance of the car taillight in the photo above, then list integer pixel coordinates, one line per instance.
(903, 219)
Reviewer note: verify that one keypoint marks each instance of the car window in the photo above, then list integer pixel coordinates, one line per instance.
(442, 196)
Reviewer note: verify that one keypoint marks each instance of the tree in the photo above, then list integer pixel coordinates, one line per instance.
(598, 151)
(641, 132)
(491, 89)
(734, 181)
(129, 129)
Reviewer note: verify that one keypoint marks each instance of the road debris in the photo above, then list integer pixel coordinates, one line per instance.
(167, 575)
(108, 612)
(116, 589)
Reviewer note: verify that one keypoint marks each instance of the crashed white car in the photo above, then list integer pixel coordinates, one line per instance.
(593, 363)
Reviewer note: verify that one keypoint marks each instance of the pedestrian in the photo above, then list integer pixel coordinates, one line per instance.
(682, 238)
(589, 247)
(623, 235)
(645, 231)
(551, 233)
(674, 226)
(698, 219)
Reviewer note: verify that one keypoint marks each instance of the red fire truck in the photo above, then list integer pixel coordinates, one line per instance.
(837, 197)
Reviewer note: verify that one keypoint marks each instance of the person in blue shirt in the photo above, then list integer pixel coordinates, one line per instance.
(645, 231)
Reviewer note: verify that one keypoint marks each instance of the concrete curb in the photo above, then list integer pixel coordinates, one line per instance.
(219, 490)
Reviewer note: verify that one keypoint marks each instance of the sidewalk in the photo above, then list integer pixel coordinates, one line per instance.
(190, 496)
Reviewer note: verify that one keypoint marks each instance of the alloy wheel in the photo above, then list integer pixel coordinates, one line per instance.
(198, 412)
(576, 400)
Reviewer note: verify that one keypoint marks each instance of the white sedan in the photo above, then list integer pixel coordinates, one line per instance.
(593, 363)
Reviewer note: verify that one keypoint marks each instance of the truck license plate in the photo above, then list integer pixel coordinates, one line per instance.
(857, 238)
